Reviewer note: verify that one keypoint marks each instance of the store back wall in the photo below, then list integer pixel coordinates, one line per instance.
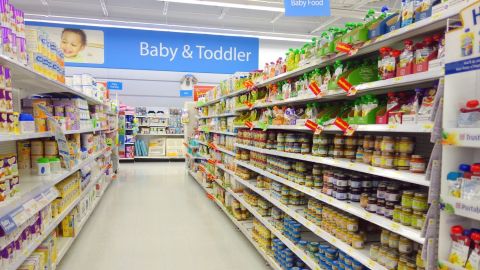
(161, 88)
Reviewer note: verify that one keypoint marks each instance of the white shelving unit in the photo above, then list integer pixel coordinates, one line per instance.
(461, 145)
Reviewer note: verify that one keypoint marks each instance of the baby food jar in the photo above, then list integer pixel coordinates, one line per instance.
(418, 220)
(405, 145)
(374, 249)
(378, 143)
(406, 216)
(322, 151)
(355, 194)
(350, 152)
(420, 202)
(338, 151)
(389, 208)
(359, 154)
(364, 200)
(368, 142)
(338, 140)
(387, 160)
(397, 213)
(403, 162)
(357, 241)
(341, 180)
(388, 144)
(393, 240)
(351, 141)
(384, 237)
(417, 164)
(380, 207)
(381, 190)
(367, 156)
(407, 197)
(377, 158)
(372, 204)
(392, 193)
(405, 246)
(352, 224)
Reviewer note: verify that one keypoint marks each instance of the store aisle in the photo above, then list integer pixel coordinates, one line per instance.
(157, 217)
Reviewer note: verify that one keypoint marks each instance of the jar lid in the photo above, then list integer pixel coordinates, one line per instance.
(456, 230)
(420, 194)
(42, 160)
(464, 167)
(407, 192)
(417, 156)
(54, 159)
(25, 117)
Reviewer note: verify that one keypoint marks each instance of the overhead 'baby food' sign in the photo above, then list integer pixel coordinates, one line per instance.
(307, 7)
(88, 46)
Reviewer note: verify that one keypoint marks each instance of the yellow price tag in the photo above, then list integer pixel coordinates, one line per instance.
(349, 250)
(334, 240)
(370, 263)
(304, 257)
(392, 126)
(397, 79)
(330, 200)
(428, 126)
(437, 15)
(368, 215)
(351, 165)
(371, 169)
(395, 226)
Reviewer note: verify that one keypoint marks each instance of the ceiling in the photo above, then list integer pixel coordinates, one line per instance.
(261, 18)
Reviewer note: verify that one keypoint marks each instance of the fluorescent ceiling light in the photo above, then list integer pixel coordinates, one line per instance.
(336, 11)
(104, 8)
(276, 18)
(222, 15)
(165, 9)
(44, 2)
(164, 27)
(228, 5)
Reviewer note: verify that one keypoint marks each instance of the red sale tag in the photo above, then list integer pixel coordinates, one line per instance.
(248, 84)
(315, 89)
(212, 145)
(249, 125)
(316, 128)
(248, 104)
(344, 126)
(347, 87)
(346, 48)
(210, 176)
(212, 161)
(210, 196)
(201, 168)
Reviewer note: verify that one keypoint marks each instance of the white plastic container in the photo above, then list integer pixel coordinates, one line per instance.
(43, 166)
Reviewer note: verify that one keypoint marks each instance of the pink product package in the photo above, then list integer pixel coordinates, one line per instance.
(21, 50)
(8, 79)
(20, 21)
(4, 10)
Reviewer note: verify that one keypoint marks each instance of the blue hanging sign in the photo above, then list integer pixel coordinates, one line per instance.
(121, 48)
(307, 7)
(186, 93)
(116, 86)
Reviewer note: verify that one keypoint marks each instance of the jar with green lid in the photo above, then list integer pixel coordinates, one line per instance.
(406, 216)
(322, 150)
(403, 162)
(393, 240)
(397, 213)
(407, 197)
(420, 202)
(418, 219)
(339, 140)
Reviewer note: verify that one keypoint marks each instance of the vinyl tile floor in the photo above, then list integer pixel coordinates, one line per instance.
(155, 216)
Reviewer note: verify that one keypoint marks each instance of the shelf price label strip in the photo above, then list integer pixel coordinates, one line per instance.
(21, 214)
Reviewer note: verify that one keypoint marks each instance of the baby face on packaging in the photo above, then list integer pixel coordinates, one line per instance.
(73, 43)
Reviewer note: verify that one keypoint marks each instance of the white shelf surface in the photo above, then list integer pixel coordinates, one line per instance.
(352, 208)
(222, 166)
(194, 157)
(382, 85)
(52, 226)
(213, 101)
(361, 255)
(31, 83)
(64, 243)
(218, 115)
(32, 185)
(221, 149)
(222, 132)
(462, 207)
(161, 135)
(159, 157)
(405, 128)
(35, 135)
(405, 176)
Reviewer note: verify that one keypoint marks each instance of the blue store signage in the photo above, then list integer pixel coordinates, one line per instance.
(115, 86)
(307, 7)
(186, 93)
(88, 46)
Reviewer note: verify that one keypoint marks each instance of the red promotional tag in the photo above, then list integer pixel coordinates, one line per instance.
(249, 125)
(210, 196)
(248, 84)
(346, 48)
(347, 87)
(248, 104)
(212, 145)
(212, 161)
(211, 176)
(186, 145)
(201, 168)
(315, 89)
(344, 126)
(316, 128)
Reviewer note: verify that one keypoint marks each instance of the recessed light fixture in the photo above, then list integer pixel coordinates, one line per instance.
(163, 27)
(44, 2)
(104, 8)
